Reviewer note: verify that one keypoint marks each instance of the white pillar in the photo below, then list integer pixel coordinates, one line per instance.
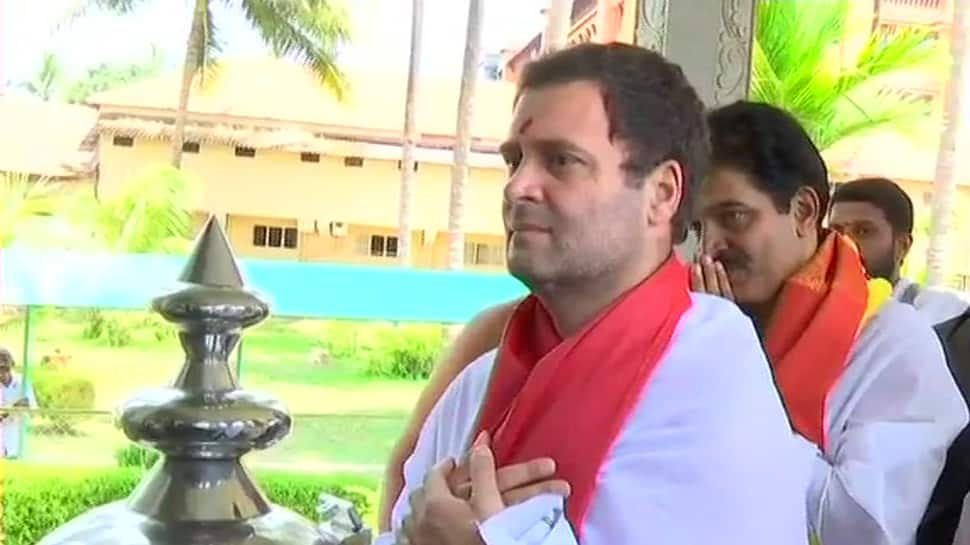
(711, 40)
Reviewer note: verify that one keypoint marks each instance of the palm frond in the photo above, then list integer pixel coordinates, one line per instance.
(309, 31)
(151, 208)
(80, 8)
(23, 198)
(798, 64)
(886, 54)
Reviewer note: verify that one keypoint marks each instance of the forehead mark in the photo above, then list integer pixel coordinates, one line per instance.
(525, 126)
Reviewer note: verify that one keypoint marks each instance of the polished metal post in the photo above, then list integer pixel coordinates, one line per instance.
(199, 492)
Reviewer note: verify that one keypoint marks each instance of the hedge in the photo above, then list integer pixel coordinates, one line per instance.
(38, 499)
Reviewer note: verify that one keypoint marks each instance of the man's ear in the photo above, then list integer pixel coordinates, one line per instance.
(663, 193)
(901, 247)
(806, 209)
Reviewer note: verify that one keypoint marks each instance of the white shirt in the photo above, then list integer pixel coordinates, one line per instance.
(890, 419)
(12, 426)
(707, 456)
(937, 304)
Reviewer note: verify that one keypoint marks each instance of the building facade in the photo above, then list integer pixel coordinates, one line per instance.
(296, 174)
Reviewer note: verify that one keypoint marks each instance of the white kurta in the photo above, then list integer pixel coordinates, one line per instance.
(936, 304)
(708, 456)
(891, 418)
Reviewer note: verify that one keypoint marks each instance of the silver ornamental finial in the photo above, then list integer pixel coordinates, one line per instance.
(199, 492)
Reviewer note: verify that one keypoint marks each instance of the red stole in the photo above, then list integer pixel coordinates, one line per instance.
(569, 399)
(816, 321)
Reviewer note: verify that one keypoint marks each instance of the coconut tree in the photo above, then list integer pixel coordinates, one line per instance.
(797, 65)
(150, 213)
(953, 146)
(47, 82)
(463, 137)
(22, 201)
(309, 31)
(408, 164)
(106, 76)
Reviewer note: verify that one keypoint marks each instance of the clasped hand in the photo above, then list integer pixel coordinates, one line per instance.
(709, 276)
(456, 498)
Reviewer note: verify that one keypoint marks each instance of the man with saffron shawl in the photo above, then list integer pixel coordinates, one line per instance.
(863, 377)
(656, 405)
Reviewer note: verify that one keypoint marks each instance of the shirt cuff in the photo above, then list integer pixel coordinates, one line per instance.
(520, 523)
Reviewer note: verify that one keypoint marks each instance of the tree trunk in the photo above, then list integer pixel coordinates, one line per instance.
(558, 22)
(408, 164)
(193, 51)
(952, 142)
(463, 138)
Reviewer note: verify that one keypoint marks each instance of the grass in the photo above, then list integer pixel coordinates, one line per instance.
(343, 419)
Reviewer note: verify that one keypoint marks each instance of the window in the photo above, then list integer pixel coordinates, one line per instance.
(242, 151)
(123, 141)
(289, 237)
(378, 245)
(353, 161)
(308, 157)
(276, 237)
(477, 253)
(259, 235)
(415, 166)
(190, 147)
(269, 236)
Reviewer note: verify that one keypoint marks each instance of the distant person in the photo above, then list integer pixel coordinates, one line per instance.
(14, 393)
(878, 215)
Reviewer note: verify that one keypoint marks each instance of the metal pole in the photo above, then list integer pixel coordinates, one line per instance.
(25, 378)
(25, 358)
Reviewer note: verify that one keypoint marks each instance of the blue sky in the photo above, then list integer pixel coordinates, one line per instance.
(381, 29)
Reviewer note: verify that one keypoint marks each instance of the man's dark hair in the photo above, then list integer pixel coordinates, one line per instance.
(6, 358)
(650, 104)
(769, 145)
(885, 195)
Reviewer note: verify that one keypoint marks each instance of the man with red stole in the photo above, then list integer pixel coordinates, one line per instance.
(863, 377)
(651, 407)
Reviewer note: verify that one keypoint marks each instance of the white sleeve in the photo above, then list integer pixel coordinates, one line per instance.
(874, 484)
(444, 434)
(539, 521)
(421, 460)
(716, 466)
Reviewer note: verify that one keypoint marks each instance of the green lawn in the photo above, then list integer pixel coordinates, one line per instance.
(344, 419)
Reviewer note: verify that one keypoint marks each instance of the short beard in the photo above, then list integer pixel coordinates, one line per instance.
(882, 266)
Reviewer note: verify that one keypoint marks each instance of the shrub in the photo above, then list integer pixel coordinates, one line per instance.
(57, 389)
(37, 500)
(135, 455)
(407, 352)
(111, 327)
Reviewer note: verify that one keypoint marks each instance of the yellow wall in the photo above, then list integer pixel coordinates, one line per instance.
(277, 189)
(958, 256)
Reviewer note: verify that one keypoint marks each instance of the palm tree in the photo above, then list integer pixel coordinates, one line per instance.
(408, 164)
(797, 66)
(558, 22)
(23, 200)
(308, 30)
(463, 138)
(954, 108)
(47, 81)
(150, 213)
(106, 76)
